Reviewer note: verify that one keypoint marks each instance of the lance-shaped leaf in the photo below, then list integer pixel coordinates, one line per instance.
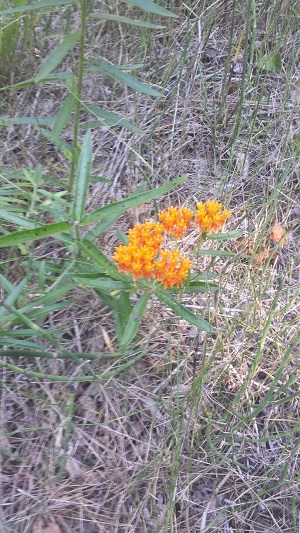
(224, 236)
(150, 7)
(63, 116)
(37, 5)
(132, 201)
(114, 72)
(183, 312)
(106, 264)
(56, 57)
(127, 20)
(21, 237)
(36, 121)
(134, 320)
(82, 177)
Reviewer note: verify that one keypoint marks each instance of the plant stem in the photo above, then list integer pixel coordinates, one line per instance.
(83, 6)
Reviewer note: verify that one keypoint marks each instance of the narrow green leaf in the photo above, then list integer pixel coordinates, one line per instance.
(56, 57)
(215, 253)
(134, 320)
(183, 312)
(126, 20)
(18, 220)
(36, 121)
(38, 5)
(195, 286)
(109, 118)
(104, 283)
(21, 237)
(106, 264)
(63, 116)
(60, 143)
(224, 236)
(132, 201)
(270, 62)
(114, 72)
(150, 7)
(100, 227)
(122, 236)
(14, 292)
(122, 311)
(31, 81)
(82, 177)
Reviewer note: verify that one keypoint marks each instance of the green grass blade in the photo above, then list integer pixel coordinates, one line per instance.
(23, 236)
(150, 7)
(118, 75)
(183, 312)
(56, 57)
(127, 20)
(134, 320)
(82, 177)
(132, 201)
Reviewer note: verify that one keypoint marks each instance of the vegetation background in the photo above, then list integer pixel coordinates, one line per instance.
(202, 432)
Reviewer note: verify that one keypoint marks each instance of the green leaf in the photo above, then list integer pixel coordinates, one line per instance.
(224, 236)
(134, 320)
(63, 116)
(122, 237)
(36, 121)
(104, 283)
(126, 20)
(114, 72)
(14, 292)
(18, 220)
(270, 62)
(106, 264)
(150, 7)
(56, 57)
(215, 253)
(82, 177)
(183, 312)
(195, 286)
(31, 81)
(100, 227)
(38, 5)
(21, 237)
(60, 143)
(132, 201)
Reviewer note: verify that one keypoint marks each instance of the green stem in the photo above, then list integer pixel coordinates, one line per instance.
(83, 6)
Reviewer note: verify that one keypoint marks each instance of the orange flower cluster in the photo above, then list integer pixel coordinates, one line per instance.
(209, 216)
(171, 268)
(176, 221)
(143, 257)
(138, 256)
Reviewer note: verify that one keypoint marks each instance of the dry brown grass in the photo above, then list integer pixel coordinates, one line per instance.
(177, 443)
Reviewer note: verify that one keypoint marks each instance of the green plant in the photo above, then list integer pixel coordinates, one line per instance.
(82, 260)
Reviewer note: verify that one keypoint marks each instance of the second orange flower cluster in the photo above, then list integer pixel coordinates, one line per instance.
(143, 257)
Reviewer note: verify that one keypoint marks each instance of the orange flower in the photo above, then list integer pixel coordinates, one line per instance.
(176, 221)
(136, 260)
(210, 216)
(171, 268)
(137, 257)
